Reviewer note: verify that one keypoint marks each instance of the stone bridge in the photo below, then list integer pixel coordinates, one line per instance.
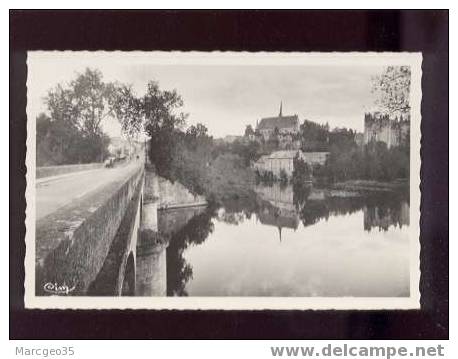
(109, 243)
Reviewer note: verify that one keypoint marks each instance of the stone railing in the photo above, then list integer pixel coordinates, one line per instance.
(73, 243)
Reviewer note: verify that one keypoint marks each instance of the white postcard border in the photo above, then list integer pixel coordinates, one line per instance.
(413, 60)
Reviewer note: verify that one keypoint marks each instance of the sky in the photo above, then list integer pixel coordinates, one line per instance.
(224, 97)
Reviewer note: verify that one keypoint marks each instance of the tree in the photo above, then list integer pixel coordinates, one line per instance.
(77, 111)
(161, 122)
(126, 107)
(53, 141)
(157, 114)
(160, 108)
(197, 131)
(393, 89)
(249, 131)
(91, 95)
(247, 151)
(301, 172)
(83, 103)
(313, 137)
(197, 138)
(43, 126)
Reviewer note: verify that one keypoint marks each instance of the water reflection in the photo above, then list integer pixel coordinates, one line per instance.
(151, 267)
(307, 204)
(384, 215)
(179, 272)
(153, 255)
(289, 242)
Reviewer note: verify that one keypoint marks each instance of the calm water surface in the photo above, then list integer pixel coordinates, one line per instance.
(290, 242)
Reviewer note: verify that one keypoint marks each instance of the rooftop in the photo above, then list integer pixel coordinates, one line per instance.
(279, 122)
(283, 154)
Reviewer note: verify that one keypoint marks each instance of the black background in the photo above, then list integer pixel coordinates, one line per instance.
(425, 31)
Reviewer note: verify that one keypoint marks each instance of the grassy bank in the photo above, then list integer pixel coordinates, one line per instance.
(228, 178)
(370, 185)
(204, 169)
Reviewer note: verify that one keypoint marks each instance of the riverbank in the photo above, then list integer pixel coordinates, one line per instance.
(372, 186)
(227, 178)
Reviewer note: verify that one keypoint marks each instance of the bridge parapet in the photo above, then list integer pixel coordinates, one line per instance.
(73, 243)
(111, 243)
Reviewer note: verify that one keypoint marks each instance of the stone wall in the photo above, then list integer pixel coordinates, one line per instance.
(167, 194)
(111, 277)
(172, 195)
(73, 243)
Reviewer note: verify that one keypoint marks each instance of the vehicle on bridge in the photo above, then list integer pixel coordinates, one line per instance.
(109, 162)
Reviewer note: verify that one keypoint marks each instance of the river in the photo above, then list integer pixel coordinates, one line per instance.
(290, 242)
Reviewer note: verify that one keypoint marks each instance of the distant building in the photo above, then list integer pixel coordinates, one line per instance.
(286, 125)
(276, 162)
(380, 127)
(284, 161)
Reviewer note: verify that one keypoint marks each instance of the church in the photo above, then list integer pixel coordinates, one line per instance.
(286, 125)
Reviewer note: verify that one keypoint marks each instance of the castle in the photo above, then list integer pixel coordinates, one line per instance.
(380, 127)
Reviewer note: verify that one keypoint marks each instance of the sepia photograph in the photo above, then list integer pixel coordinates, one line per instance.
(223, 180)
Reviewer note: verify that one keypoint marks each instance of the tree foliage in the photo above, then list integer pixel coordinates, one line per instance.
(157, 114)
(392, 88)
(127, 108)
(313, 136)
(72, 132)
(373, 162)
(83, 103)
(249, 131)
(301, 172)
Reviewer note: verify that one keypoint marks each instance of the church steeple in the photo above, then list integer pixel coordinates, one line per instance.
(281, 106)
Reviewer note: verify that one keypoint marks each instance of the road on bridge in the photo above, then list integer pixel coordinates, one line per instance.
(55, 192)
